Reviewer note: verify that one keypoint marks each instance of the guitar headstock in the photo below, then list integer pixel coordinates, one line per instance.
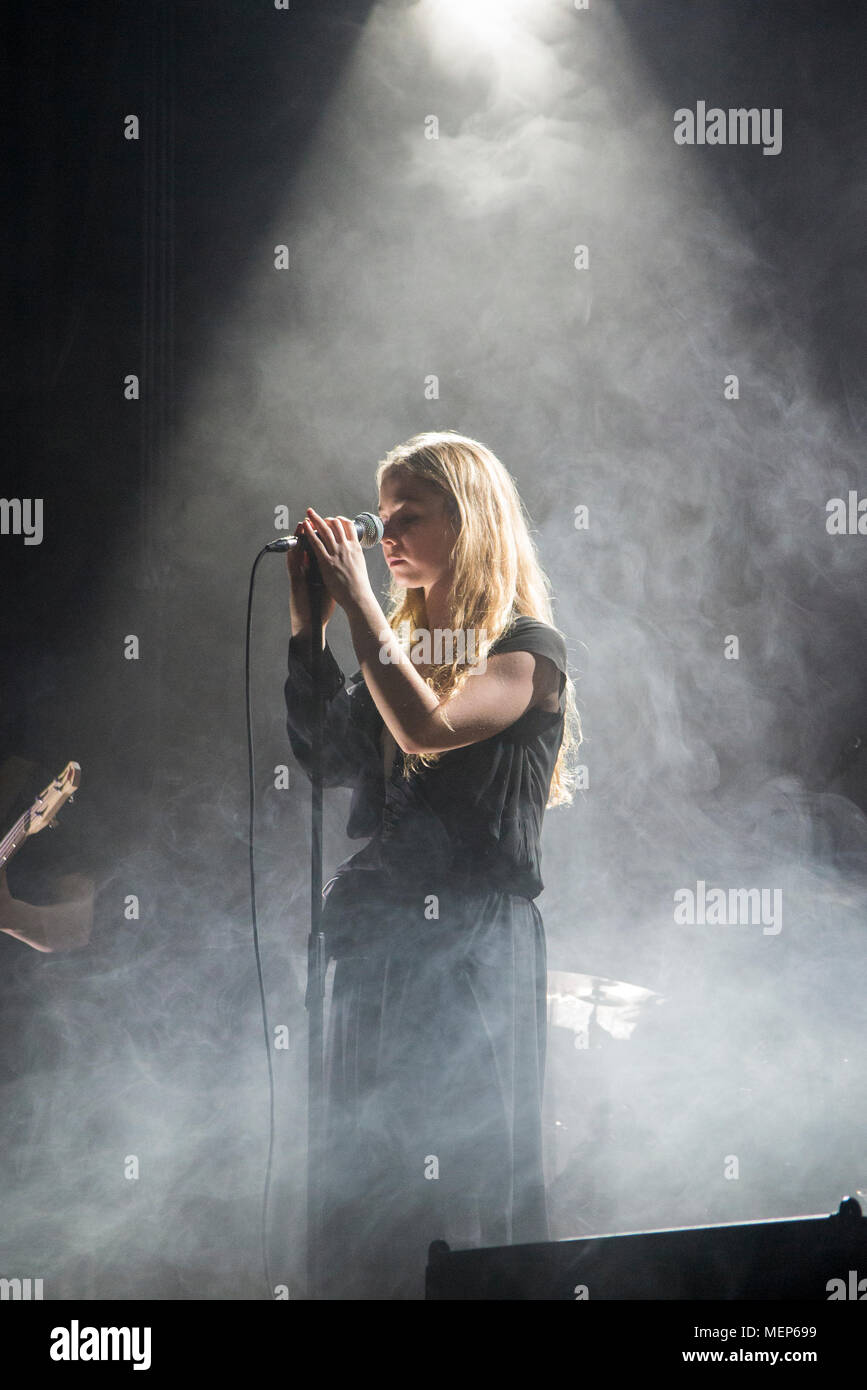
(56, 795)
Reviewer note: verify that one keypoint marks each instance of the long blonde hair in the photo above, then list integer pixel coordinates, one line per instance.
(497, 574)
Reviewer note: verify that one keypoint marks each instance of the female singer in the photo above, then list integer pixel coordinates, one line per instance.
(435, 1037)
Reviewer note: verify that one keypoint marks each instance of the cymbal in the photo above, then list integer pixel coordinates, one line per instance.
(596, 989)
(574, 999)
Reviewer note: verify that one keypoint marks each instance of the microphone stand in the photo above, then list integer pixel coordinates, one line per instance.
(315, 996)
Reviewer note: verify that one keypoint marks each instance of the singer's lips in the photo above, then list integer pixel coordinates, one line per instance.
(397, 561)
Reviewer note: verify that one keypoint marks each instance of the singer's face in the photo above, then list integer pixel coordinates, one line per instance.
(418, 536)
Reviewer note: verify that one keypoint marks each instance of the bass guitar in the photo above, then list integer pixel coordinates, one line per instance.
(42, 812)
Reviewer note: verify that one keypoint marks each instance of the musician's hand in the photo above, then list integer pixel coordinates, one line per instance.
(297, 562)
(64, 925)
(340, 556)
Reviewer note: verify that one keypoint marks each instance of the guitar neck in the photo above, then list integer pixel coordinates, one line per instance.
(42, 812)
(12, 842)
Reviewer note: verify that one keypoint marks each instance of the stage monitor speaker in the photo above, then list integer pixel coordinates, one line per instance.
(811, 1257)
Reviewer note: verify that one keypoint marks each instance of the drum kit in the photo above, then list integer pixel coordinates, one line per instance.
(586, 1110)
(594, 1008)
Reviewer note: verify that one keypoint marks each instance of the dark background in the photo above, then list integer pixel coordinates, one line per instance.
(135, 256)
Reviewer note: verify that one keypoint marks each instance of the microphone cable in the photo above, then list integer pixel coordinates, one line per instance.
(369, 529)
(252, 806)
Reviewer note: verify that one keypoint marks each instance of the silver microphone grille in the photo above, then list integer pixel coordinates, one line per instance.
(373, 529)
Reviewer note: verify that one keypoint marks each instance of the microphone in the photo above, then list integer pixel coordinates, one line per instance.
(368, 528)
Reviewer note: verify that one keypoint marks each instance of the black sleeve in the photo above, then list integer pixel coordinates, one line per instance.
(351, 723)
(531, 635)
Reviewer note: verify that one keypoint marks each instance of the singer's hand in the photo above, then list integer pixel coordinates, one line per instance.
(340, 556)
(297, 562)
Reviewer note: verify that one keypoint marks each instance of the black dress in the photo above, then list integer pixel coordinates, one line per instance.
(436, 1016)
